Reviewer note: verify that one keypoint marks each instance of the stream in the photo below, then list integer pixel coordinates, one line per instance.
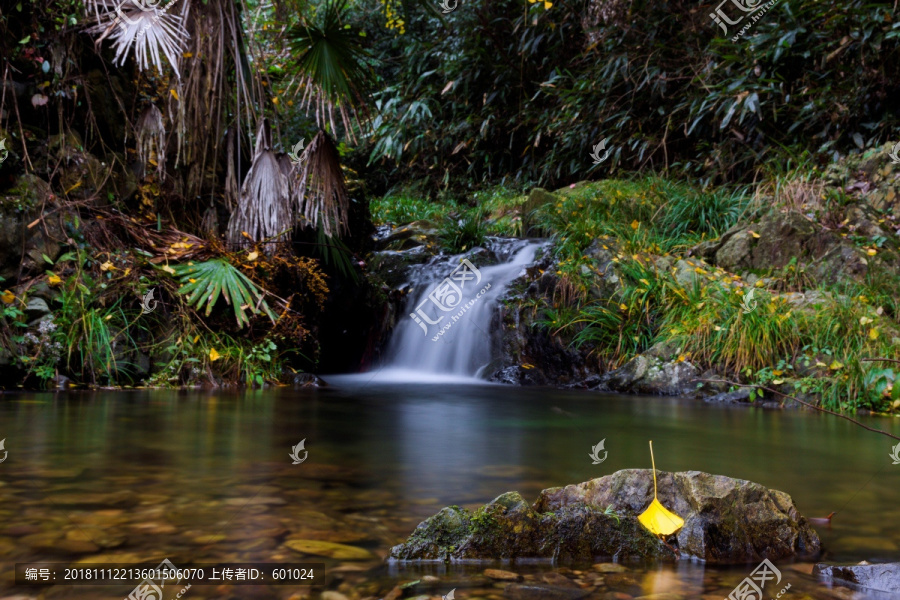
(206, 477)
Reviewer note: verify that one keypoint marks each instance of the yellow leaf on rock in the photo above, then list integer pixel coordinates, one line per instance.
(174, 93)
(657, 518)
(7, 297)
(753, 233)
(213, 355)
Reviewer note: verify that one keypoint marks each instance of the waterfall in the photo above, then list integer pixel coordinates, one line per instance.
(445, 331)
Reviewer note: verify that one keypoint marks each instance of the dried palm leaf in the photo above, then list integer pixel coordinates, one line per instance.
(146, 27)
(264, 211)
(321, 193)
(151, 141)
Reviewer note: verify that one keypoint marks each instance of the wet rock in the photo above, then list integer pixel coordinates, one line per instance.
(740, 396)
(329, 549)
(501, 575)
(726, 521)
(518, 591)
(647, 374)
(884, 577)
(393, 267)
(517, 375)
(309, 380)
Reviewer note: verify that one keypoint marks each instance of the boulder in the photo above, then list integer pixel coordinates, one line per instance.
(884, 577)
(727, 521)
(649, 374)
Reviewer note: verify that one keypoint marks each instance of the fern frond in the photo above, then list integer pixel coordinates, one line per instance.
(204, 282)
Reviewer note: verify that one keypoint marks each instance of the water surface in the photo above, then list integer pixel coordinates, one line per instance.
(206, 477)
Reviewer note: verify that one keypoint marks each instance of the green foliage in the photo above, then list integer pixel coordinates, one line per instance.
(203, 283)
(404, 208)
(508, 89)
(464, 231)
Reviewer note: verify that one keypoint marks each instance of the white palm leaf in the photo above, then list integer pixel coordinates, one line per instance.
(264, 211)
(153, 32)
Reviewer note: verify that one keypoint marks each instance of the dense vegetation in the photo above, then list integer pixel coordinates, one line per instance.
(164, 156)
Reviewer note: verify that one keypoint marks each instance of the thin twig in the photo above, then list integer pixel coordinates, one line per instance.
(818, 408)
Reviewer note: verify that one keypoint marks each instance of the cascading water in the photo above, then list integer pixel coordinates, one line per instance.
(445, 330)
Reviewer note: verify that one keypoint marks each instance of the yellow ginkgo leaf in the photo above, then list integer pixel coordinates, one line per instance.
(54, 279)
(657, 518)
(253, 256)
(213, 355)
(7, 297)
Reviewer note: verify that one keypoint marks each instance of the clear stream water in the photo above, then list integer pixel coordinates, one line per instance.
(206, 477)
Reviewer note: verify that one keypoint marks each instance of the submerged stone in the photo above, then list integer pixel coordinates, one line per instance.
(884, 577)
(726, 521)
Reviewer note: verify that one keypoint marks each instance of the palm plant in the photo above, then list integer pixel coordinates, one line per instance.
(204, 282)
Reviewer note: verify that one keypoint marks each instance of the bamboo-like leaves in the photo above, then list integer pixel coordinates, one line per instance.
(204, 282)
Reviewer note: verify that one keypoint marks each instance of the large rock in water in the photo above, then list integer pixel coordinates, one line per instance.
(726, 521)
(884, 577)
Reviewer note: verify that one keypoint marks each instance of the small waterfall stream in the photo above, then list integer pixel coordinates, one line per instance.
(445, 330)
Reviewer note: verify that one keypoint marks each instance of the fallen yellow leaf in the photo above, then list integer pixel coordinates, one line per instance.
(871, 251)
(7, 297)
(778, 381)
(213, 355)
(253, 256)
(168, 270)
(873, 333)
(107, 266)
(753, 233)
(656, 518)
(174, 93)
(54, 279)
(835, 365)
(635, 224)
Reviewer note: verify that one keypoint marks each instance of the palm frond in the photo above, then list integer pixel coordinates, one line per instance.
(333, 65)
(204, 282)
(151, 140)
(265, 210)
(321, 193)
(148, 29)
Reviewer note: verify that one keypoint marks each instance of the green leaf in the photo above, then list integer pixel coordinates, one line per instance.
(25, 40)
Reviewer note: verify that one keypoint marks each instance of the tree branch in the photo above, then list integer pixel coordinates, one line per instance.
(794, 398)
